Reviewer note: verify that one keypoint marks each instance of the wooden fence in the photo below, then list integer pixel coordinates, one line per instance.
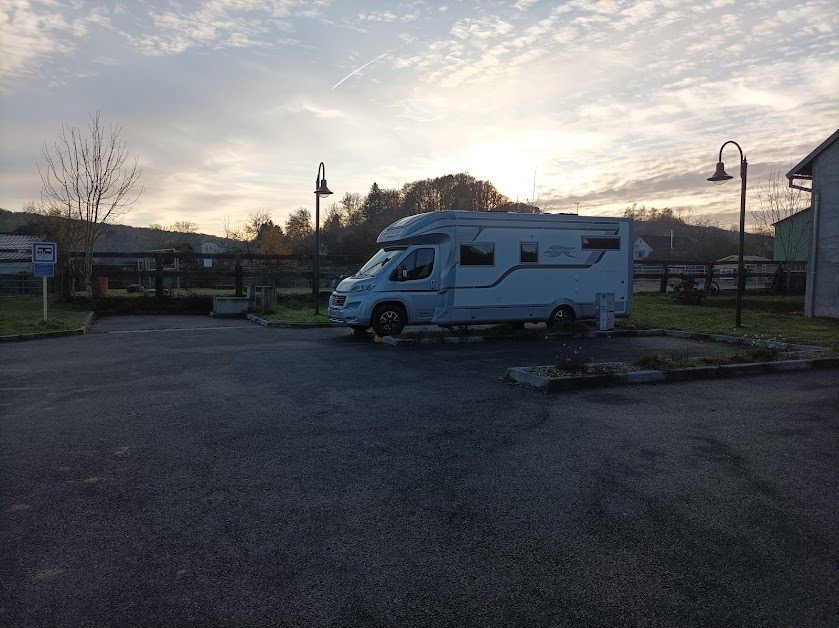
(167, 270)
(18, 283)
(233, 271)
(658, 276)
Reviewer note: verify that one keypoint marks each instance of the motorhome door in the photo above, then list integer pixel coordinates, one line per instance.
(417, 279)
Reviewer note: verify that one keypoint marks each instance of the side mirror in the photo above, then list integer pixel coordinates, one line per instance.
(401, 273)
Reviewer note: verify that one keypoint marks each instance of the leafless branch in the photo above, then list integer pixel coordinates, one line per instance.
(89, 178)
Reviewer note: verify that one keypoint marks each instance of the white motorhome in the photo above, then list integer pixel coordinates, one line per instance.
(467, 268)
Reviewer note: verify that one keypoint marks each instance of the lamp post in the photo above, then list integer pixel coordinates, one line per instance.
(320, 191)
(721, 176)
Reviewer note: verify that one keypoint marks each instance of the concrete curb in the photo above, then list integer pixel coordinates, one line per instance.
(261, 321)
(439, 340)
(62, 333)
(615, 333)
(571, 382)
(740, 340)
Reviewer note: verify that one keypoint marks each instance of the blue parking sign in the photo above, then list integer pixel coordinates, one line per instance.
(44, 252)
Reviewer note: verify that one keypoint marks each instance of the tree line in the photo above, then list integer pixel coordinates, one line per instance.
(351, 225)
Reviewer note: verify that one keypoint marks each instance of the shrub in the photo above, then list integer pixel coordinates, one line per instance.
(652, 362)
(572, 358)
(763, 354)
(687, 292)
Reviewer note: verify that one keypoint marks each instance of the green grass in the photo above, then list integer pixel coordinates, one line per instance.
(764, 316)
(298, 308)
(751, 355)
(288, 315)
(25, 315)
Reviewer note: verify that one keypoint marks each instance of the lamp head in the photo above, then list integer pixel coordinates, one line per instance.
(720, 176)
(322, 191)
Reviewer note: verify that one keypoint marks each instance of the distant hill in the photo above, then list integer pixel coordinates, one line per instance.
(120, 238)
(698, 242)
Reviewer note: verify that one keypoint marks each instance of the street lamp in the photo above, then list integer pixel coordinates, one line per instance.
(720, 177)
(320, 191)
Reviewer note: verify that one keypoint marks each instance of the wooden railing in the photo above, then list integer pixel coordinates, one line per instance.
(658, 275)
(166, 270)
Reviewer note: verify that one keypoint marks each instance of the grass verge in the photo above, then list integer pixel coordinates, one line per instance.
(764, 316)
(25, 315)
(754, 354)
(297, 308)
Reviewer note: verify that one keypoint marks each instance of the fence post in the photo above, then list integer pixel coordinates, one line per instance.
(268, 299)
(709, 276)
(158, 275)
(238, 275)
(663, 286)
(64, 277)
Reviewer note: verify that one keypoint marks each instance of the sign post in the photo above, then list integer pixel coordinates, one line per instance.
(44, 257)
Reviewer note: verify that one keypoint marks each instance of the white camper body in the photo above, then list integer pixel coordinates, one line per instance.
(467, 268)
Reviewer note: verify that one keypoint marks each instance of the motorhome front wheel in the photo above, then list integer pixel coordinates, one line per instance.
(388, 320)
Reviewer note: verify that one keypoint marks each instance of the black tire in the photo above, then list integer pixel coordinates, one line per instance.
(562, 314)
(388, 320)
(714, 288)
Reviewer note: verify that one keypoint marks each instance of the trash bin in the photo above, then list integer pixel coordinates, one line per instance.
(99, 286)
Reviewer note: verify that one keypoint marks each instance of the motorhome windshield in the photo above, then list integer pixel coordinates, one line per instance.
(378, 261)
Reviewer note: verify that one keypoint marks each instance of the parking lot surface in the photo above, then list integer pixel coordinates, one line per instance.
(196, 472)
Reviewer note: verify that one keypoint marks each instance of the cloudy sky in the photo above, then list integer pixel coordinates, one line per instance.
(230, 105)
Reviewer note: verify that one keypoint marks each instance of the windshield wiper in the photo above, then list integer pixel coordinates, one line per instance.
(369, 270)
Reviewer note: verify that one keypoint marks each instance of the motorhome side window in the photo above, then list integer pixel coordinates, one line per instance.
(418, 265)
(603, 243)
(474, 254)
(529, 252)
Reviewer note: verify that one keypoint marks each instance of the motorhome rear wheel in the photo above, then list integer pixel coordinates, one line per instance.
(562, 314)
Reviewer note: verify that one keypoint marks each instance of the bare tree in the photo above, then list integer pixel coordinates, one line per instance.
(709, 241)
(88, 177)
(245, 234)
(171, 236)
(185, 226)
(236, 236)
(777, 201)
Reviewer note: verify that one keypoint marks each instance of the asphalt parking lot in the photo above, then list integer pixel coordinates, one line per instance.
(173, 471)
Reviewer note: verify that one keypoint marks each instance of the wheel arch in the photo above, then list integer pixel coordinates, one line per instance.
(565, 301)
(391, 301)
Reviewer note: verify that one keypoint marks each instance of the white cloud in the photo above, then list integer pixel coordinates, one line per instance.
(383, 16)
(610, 102)
(481, 28)
(33, 32)
(244, 23)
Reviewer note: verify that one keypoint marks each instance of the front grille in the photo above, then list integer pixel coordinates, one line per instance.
(338, 300)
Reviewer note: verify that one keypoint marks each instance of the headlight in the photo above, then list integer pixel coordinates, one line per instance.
(363, 287)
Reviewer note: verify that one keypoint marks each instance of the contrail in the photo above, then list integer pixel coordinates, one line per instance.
(361, 68)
